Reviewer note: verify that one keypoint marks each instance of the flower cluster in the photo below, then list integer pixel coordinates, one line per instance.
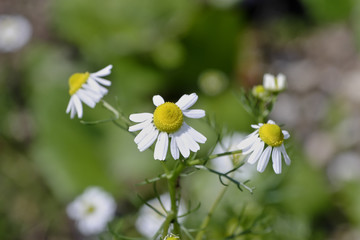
(166, 128)
(271, 85)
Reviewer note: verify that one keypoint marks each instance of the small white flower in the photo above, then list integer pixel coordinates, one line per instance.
(92, 210)
(15, 32)
(87, 88)
(225, 164)
(274, 84)
(271, 135)
(168, 121)
(149, 221)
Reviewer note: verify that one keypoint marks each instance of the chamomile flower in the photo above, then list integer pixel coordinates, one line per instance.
(92, 210)
(270, 135)
(166, 122)
(149, 221)
(274, 84)
(87, 88)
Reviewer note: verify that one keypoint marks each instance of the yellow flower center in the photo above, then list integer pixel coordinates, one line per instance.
(168, 117)
(271, 134)
(90, 209)
(76, 81)
(259, 89)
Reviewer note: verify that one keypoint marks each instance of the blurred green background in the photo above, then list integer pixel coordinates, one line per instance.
(172, 47)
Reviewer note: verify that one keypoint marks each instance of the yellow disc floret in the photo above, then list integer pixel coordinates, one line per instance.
(90, 210)
(76, 81)
(271, 134)
(168, 117)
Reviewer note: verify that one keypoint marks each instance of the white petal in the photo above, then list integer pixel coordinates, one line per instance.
(286, 156)
(198, 137)
(102, 81)
(248, 150)
(257, 152)
(78, 106)
(252, 146)
(194, 113)
(286, 134)
(184, 150)
(264, 159)
(255, 126)
(139, 126)
(158, 100)
(143, 133)
(174, 149)
(73, 111)
(269, 81)
(68, 108)
(276, 159)
(148, 140)
(161, 146)
(271, 121)
(248, 141)
(85, 98)
(187, 101)
(140, 117)
(281, 81)
(103, 72)
(190, 142)
(96, 87)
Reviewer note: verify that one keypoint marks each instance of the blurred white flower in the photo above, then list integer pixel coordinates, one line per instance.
(225, 164)
(212, 82)
(274, 84)
(92, 210)
(87, 88)
(271, 135)
(149, 221)
(168, 121)
(15, 32)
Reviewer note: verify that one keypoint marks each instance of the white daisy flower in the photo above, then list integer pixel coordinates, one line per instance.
(92, 210)
(168, 121)
(268, 134)
(87, 88)
(149, 221)
(274, 84)
(15, 32)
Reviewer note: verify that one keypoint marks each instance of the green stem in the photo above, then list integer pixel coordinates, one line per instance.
(116, 113)
(200, 161)
(206, 220)
(172, 215)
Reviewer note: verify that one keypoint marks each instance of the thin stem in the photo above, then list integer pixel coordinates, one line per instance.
(110, 108)
(117, 113)
(200, 161)
(205, 223)
(172, 215)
